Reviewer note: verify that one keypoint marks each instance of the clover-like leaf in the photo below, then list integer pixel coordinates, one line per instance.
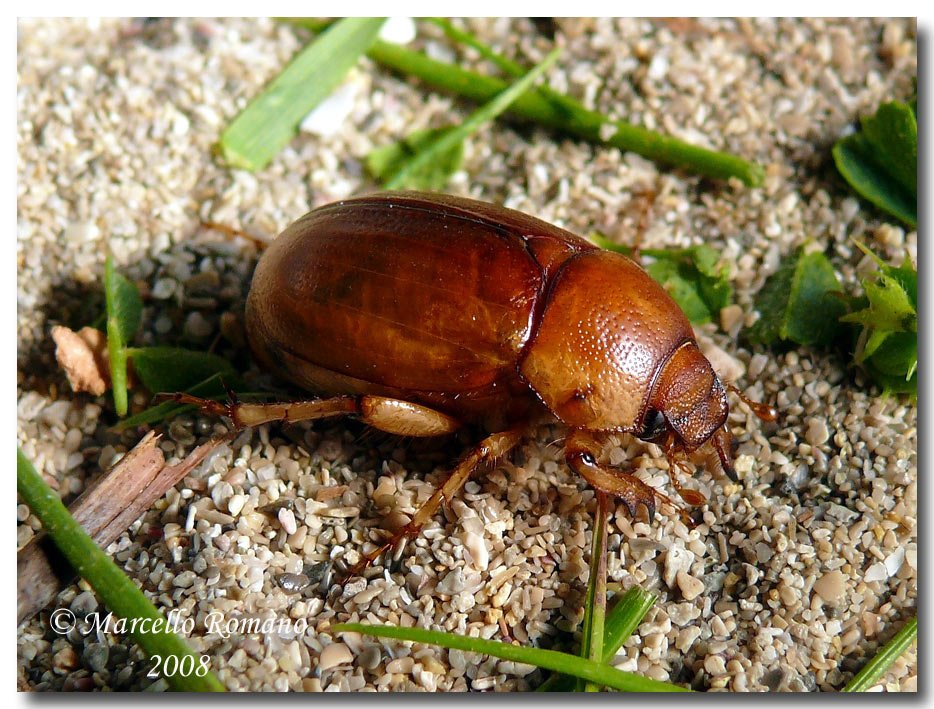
(881, 162)
(800, 302)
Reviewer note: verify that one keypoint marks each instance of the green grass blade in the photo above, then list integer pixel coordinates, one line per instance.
(114, 587)
(507, 65)
(621, 622)
(124, 313)
(559, 112)
(270, 120)
(890, 652)
(546, 659)
(595, 608)
(442, 145)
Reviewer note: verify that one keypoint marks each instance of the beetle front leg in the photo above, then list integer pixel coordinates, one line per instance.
(581, 450)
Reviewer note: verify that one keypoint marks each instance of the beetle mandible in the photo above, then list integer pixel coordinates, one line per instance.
(421, 313)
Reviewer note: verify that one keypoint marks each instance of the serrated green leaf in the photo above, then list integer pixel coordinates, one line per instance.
(384, 162)
(172, 369)
(896, 356)
(800, 303)
(887, 347)
(893, 132)
(907, 277)
(858, 162)
(772, 301)
(890, 307)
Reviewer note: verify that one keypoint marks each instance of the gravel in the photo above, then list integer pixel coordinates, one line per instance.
(795, 576)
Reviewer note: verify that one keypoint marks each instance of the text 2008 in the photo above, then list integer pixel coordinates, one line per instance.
(186, 666)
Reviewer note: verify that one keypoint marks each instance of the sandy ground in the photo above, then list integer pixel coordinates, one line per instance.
(795, 576)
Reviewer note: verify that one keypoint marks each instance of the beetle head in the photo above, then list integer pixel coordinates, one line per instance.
(690, 402)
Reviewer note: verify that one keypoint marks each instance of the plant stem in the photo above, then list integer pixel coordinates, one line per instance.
(116, 347)
(547, 659)
(890, 652)
(621, 622)
(559, 112)
(485, 113)
(595, 611)
(114, 587)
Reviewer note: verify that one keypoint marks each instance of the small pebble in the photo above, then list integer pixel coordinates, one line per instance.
(287, 520)
(293, 583)
(95, 656)
(832, 586)
(817, 433)
(164, 288)
(333, 655)
(690, 587)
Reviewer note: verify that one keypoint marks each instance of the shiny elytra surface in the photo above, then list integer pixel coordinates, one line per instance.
(463, 305)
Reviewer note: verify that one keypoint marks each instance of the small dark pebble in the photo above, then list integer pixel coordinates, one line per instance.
(293, 583)
(78, 684)
(773, 680)
(273, 507)
(316, 572)
(96, 655)
(84, 604)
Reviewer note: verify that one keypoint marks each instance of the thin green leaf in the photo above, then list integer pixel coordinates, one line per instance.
(890, 652)
(171, 369)
(893, 133)
(439, 147)
(855, 160)
(385, 161)
(546, 659)
(592, 635)
(124, 314)
(621, 622)
(114, 587)
(270, 120)
(557, 111)
(799, 303)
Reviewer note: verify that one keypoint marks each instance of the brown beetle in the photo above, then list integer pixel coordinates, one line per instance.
(421, 313)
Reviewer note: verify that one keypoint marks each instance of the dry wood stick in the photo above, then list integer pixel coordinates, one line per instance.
(106, 509)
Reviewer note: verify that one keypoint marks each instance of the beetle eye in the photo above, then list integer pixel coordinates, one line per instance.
(653, 425)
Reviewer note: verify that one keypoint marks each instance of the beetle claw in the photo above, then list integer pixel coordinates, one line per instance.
(650, 509)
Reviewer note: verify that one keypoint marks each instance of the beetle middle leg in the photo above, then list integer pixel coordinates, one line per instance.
(486, 452)
(397, 416)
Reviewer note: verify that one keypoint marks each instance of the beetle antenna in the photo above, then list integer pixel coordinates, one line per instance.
(763, 411)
